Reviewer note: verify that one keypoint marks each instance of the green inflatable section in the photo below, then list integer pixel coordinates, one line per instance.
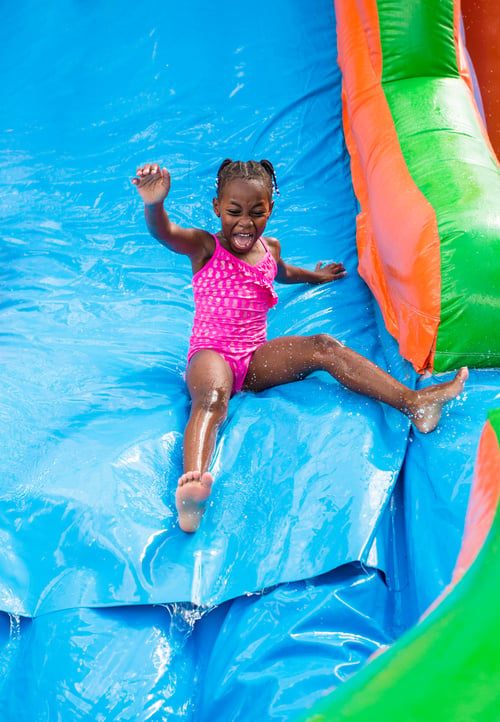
(445, 669)
(451, 163)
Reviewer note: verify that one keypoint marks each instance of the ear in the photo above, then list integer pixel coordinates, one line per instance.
(271, 206)
(215, 202)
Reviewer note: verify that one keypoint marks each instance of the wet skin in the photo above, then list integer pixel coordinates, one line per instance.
(244, 208)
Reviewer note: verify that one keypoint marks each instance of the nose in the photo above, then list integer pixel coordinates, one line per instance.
(245, 222)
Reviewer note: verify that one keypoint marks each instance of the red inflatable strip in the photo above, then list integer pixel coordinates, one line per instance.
(465, 73)
(482, 30)
(482, 508)
(483, 504)
(397, 232)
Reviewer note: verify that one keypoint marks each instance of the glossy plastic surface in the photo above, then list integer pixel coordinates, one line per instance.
(437, 477)
(427, 179)
(95, 318)
(267, 655)
(446, 667)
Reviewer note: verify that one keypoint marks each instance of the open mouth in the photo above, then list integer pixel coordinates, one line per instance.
(243, 241)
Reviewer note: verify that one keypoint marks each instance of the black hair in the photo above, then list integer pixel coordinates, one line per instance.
(251, 170)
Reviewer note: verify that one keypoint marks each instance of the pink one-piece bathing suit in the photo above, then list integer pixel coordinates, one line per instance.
(231, 300)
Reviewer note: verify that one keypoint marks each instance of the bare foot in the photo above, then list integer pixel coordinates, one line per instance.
(191, 497)
(426, 408)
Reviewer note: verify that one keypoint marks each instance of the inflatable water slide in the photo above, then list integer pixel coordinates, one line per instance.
(346, 566)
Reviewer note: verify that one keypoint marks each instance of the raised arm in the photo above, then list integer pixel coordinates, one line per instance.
(153, 185)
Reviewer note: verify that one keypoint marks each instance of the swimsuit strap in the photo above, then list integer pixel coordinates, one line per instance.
(217, 244)
(268, 251)
(261, 239)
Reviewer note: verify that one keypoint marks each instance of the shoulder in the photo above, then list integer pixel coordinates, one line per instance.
(274, 247)
(201, 238)
(204, 248)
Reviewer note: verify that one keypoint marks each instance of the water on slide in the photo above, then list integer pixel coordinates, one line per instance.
(309, 556)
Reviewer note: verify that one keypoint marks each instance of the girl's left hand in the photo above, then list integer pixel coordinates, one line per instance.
(329, 272)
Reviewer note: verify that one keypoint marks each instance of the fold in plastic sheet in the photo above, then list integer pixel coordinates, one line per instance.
(437, 476)
(96, 314)
(86, 503)
(95, 318)
(303, 474)
(244, 660)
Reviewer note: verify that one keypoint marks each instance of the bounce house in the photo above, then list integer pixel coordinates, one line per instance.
(347, 565)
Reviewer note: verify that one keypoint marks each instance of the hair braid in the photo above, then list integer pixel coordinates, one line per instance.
(268, 166)
(248, 170)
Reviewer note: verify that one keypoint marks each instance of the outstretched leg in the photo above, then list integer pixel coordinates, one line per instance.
(293, 357)
(210, 381)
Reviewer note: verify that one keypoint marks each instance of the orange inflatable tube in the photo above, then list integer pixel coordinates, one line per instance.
(393, 208)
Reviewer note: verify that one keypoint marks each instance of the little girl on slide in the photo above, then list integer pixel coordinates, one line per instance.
(233, 274)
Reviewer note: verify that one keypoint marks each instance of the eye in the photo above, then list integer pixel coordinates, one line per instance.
(233, 212)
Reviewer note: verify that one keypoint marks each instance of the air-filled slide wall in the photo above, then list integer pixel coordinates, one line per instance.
(333, 524)
(432, 258)
(427, 179)
(447, 667)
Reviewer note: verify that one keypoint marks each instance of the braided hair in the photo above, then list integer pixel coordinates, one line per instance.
(249, 170)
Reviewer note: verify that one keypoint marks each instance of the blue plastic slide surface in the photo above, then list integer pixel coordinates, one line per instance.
(98, 315)
(108, 611)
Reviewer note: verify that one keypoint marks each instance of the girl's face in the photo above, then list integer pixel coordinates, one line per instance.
(243, 209)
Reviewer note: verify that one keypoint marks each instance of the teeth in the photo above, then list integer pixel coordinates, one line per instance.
(242, 240)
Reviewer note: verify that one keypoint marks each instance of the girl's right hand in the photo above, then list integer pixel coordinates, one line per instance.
(152, 182)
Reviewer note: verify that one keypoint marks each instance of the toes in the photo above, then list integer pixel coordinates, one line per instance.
(207, 479)
(191, 498)
(189, 476)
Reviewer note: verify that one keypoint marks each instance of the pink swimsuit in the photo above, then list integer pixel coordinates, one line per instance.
(231, 300)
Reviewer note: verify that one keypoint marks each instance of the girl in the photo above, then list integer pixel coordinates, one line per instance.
(233, 273)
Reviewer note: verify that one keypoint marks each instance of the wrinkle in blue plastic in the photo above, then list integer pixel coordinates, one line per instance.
(97, 315)
(437, 475)
(94, 324)
(267, 655)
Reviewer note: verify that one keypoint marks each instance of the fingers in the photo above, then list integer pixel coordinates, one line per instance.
(336, 269)
(327, 272)
(340, 270)
(340, 273)
(149, 171)
(329, 266)
(330, 271)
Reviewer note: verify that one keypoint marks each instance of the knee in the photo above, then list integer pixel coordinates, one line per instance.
(213, 401)
(325, 345)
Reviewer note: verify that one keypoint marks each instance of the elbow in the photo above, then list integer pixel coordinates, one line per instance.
(281, 278)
